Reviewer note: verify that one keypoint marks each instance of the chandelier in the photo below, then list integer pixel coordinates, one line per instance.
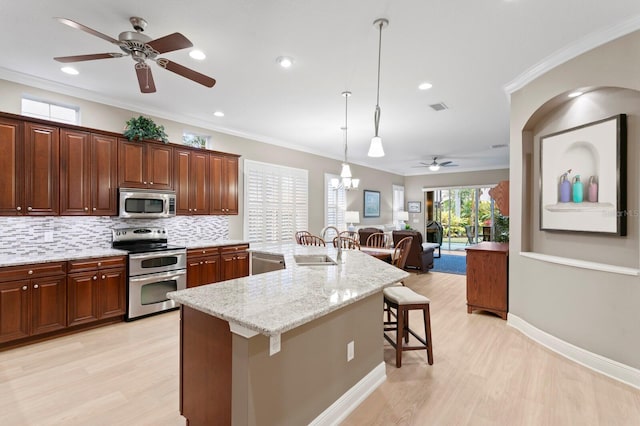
(346, 181)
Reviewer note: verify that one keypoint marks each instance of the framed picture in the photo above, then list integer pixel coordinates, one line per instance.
(583, 178)
(371, 203)
(414, 206)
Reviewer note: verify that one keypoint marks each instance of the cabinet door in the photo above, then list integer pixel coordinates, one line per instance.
(82, 300)
(160, 166)
(48, 304)
(131, 164)
(182, 181)
(234, 265)
(11, 168)
(199, 200)
(112, 300)
(75, 168)
(487, 279)
(224, 184)
(42, 169)
(211, 269)
(195, 272)
(242, 264)
(14, 310)
(104, 179)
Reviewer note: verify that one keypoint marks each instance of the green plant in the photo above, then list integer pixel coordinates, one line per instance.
(144, 128)
(501, 228)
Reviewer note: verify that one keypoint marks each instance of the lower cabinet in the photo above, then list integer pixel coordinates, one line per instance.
(97, 289)
(203, 266)
(32, 300)
(235, 262)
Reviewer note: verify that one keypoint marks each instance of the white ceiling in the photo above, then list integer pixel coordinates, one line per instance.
(469, 50)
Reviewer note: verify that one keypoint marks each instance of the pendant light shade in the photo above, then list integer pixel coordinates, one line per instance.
(375, 149)
(346, 181)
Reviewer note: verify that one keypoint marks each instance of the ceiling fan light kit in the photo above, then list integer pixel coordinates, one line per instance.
(376, 149)
(141, 48)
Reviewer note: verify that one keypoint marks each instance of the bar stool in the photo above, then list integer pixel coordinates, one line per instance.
(403, 300)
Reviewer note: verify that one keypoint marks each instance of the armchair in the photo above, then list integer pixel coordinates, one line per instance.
(418, 258)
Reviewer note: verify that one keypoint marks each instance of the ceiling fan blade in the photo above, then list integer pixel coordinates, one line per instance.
(74, 24)
(445, 163)
(145, 78)
(175, 41)
(186, 72)
(79, 58)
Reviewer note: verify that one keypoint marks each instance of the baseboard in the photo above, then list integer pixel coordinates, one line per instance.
(610, 368)
(348, 402)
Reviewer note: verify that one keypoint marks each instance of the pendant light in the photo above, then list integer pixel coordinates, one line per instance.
(375, 149)
(346, 181)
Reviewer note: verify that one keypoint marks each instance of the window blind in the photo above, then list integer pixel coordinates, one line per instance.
(336, 204)
(276, 201)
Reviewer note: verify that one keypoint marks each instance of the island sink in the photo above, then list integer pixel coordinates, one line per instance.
(313, 259)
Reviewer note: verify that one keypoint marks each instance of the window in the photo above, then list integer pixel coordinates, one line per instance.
(198, 141)
(276, 202)
(398, 202)
(50, 111)
(335, 203)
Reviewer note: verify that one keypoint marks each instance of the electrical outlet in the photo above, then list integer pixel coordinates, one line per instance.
(350, 351)
(48, 236)
(416, 220)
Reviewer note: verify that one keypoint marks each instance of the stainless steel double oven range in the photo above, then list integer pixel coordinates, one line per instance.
(155, 268)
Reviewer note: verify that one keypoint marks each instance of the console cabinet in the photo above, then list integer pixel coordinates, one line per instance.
(488, 278)
(32, 300)
(203, 266)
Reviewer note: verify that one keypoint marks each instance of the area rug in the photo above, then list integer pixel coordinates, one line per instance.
(451, 264)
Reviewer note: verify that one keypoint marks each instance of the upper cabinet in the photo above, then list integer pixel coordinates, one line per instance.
(88, 173)
(191, 181)
(29, 169)
(224, 184)
(145, 165)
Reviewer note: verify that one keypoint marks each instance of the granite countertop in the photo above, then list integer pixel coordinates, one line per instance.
(275, 302)
(7, 259)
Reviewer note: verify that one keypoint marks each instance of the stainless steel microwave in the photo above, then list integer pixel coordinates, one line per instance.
(146, 203)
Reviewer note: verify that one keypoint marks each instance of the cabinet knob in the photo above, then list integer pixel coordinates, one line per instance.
(201, 263)
(103, 277)
(94, 209)
(195, 210)
(190, 210)
(29, 208)
(99, 263)
(18, 208)
(150, 183)
(86, 209)
(24, 287)
(35, 286)
(204, 251)
(30, 272)
(95, 277)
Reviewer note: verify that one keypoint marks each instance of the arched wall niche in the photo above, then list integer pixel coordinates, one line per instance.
(561, 113)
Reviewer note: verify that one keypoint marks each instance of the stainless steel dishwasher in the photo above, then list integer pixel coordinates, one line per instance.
(262, 262)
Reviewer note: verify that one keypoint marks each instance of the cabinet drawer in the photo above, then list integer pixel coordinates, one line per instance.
(232, 249)
(205, 251)
(100, 263)
(22, 272)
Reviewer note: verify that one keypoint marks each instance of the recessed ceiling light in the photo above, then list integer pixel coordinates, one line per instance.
(219, 114)
(284, 61)
(197, 54)
(69, 70)
(575, 94)
(425, 86)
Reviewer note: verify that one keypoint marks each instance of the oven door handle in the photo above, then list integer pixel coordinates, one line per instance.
(156, 254)
(157, 275)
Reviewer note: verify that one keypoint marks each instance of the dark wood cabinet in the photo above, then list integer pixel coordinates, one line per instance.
(97, 289)
(42, 169)
(224, 184)
(11, 167)
(191, 181)
(88, 173)
(488, 278)
(145, 165)
(203, 266)
(235, 262)
(32, 300)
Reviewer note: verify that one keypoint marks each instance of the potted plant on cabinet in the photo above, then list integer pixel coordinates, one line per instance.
(144, 128)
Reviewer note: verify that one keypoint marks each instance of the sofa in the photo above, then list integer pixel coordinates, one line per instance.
(420, 258)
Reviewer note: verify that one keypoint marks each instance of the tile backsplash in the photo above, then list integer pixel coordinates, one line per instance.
(23, 235)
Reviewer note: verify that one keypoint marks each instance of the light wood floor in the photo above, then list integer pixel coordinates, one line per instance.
(485, 373)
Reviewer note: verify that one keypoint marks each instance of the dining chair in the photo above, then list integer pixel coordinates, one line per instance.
(311, 240)
(377, 240)
(350, 234)
(299, 234)
(401, 252)
(346, 243)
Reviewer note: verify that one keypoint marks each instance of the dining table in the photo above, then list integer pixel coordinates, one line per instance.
(381, 253)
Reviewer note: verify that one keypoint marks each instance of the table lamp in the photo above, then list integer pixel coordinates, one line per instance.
(403, 217)
(352, 217)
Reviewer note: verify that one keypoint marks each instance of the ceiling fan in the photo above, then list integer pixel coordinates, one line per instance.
(141, 48)
(434, 166)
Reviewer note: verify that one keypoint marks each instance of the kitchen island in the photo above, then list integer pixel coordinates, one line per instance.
(273, 348)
